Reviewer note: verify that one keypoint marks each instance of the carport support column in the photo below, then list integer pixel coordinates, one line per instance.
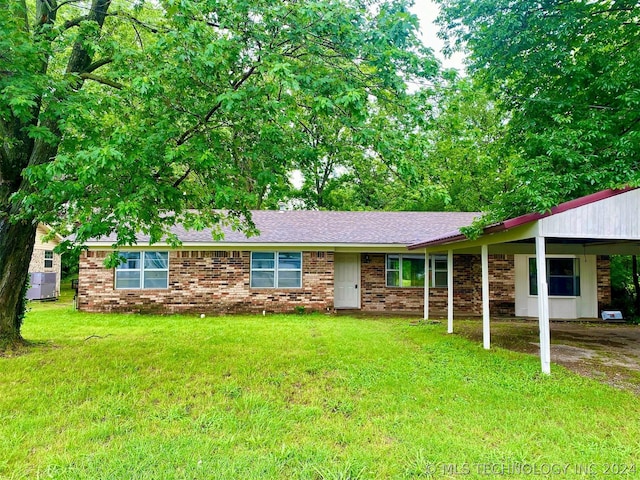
(486, 328)
(426, 285)
(543, 305)
(450, 291)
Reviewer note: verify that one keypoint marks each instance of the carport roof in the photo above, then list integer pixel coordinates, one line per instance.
(456, 236)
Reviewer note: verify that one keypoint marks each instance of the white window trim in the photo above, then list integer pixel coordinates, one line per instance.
(387, 269)
(575, 258)
(141, 271)
(48, 259)
(433, 271)
(275, 270)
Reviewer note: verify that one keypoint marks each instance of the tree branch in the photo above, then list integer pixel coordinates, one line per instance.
(104, 81)
(305, 127)
(612, 10)
(80, 57)
(177, 183)
(98, 63)
(138, 36)
(631, 126)
(74, 22)
(245, 76)
(128, 16)
(191, 131)
(206, 22)
(65, 3)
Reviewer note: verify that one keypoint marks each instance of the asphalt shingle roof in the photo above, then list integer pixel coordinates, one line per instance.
(300, 227)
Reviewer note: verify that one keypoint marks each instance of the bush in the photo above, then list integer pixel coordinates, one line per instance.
(623, 295)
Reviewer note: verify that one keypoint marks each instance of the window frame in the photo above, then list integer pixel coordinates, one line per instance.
(141, 271)
(433, 270)
(48, 253)
(533, 282)
(400, 257)
(276, 270)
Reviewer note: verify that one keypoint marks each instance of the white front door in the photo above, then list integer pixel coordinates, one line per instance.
(347, 280)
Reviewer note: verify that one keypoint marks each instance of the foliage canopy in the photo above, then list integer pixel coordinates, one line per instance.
(567, 73)
(189, 105)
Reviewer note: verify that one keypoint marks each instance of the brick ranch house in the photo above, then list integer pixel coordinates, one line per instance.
(324, 261)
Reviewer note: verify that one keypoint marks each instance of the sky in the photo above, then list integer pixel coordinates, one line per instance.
(427, 11)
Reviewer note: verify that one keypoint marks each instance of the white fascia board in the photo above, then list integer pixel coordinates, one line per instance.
(48, 229)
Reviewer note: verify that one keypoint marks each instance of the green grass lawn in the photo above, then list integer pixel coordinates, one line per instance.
(310, 396)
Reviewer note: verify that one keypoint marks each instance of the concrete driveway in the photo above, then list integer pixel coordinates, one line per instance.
(609, 353)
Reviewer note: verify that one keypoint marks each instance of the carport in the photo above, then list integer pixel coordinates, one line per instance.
(604, 223)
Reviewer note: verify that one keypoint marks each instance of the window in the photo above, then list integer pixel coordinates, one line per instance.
(48, 259)
(408, 270)
(276, 269)
(438, 270)
(563, 277)
(143, 270)
(405, 270)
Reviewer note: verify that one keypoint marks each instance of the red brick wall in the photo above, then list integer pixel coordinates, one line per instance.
(467, 288)
(206, 281)
(377, 297)
(502, 285)
(209, 281)
(603, 274)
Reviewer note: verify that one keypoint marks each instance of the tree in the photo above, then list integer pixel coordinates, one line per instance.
(625, 284)
(468, 156)
(121, 116)
(326, 148)
(380, 167)
(567, 73)
(441, 148)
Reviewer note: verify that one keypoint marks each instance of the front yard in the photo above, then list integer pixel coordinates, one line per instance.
(310, 396)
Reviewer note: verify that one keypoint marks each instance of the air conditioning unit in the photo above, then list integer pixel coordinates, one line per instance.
(43, 286)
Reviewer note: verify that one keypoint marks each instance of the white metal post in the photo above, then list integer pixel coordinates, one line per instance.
(543, 305)
(426, 285)
(450, 291)
(486, 332)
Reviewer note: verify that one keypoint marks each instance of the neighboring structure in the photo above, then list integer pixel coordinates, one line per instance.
(321, 261)
(45, 267)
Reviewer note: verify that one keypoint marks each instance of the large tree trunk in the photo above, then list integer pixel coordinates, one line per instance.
(16, 240)
(16, 247)
(18, 150)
